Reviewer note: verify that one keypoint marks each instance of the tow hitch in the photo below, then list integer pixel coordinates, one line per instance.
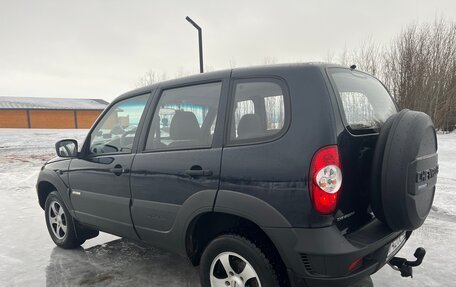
(404, 266)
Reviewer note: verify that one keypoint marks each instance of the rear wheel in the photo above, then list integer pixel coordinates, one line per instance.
(234, 261)
(60, 224)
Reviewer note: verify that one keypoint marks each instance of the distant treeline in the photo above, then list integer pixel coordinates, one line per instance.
(418, 67)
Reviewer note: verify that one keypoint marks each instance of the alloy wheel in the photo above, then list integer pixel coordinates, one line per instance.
(57, 220)
(229, 269)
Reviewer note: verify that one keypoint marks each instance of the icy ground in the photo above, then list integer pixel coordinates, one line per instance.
(28, 257)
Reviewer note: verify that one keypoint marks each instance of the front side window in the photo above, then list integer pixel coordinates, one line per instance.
(258, 112)
(185, 118)
(117, 129)
(365, 101)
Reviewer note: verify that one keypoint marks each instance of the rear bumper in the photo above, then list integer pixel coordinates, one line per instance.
(322, 256)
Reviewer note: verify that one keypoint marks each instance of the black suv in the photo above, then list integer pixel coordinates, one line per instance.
(302, 175)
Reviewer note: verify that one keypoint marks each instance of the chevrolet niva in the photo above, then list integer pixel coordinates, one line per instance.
(301, 175)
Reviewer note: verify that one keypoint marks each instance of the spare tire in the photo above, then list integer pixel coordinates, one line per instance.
(404, 171)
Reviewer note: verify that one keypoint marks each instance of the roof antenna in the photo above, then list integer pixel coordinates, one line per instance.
(352, 67)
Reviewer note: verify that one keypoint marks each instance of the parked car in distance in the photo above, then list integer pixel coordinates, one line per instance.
(301, 175)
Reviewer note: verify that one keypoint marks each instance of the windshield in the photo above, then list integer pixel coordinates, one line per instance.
(365, 102)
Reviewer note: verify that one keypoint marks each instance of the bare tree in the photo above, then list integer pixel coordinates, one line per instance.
(269, 60)
(367, 58)
(420, 70)
(418, 67)
(151, 77)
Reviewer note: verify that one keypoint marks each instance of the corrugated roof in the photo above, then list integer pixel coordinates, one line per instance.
(16, 103)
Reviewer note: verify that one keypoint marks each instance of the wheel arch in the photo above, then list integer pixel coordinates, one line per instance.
(49, 181)
(44, 188)
(250, 207)
(207, 226)
(236, 213)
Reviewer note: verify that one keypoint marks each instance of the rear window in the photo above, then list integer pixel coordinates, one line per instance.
(365, 102)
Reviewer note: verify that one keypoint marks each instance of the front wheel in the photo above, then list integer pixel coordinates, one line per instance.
(60, 224)
(234, 261)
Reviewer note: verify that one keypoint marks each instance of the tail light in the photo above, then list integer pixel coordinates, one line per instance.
(326, 179)
(355, 264)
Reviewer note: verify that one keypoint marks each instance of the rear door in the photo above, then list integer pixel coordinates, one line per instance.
(100, 177)
(180, 157)
(364, 105)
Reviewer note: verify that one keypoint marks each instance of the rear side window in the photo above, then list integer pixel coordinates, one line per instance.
(365, 102)
(243, 108)
(258, 111)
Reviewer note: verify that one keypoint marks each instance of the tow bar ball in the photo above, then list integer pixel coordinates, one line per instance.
(406, 267)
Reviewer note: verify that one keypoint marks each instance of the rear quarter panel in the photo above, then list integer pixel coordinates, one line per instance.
(276, 172)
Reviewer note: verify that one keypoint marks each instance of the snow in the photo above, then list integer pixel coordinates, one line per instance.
(28, 257)
(438, 233)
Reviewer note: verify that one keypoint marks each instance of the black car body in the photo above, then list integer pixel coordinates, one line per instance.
(179, 186)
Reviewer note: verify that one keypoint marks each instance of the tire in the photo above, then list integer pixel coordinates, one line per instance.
(242, 258)
(404, 170)
(60, 223)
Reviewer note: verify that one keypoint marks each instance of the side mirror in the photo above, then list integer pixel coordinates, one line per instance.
(67, 148)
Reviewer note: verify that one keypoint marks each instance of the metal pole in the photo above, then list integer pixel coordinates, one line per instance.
(200, 40)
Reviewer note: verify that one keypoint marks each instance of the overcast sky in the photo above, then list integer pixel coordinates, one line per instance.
(99, 49)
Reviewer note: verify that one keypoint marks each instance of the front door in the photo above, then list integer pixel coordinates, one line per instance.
(180, 159)
(100, 177)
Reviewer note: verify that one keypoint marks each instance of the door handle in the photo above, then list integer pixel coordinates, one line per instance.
(118, 170)
(196, 170)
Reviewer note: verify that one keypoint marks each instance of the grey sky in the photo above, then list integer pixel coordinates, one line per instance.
(99, 49)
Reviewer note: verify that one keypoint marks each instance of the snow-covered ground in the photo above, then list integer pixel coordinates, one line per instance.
(28, 257)
(438, 233)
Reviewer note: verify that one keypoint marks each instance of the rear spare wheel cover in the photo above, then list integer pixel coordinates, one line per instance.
(408, 171)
